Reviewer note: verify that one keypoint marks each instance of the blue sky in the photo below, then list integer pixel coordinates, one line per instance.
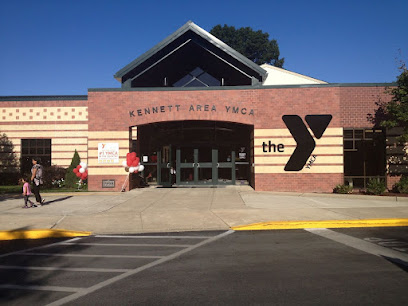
(65, 47)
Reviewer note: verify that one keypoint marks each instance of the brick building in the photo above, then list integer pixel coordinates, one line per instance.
(197, 112)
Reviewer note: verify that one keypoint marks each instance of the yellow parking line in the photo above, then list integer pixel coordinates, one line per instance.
(40, 233)
(273, 225)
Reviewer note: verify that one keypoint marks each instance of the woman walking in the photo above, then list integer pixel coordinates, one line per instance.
(36, 178)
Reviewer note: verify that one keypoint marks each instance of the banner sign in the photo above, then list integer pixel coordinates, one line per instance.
(108, 153)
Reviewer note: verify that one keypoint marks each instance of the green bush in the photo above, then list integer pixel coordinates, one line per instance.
(402, 185)
(376, 186)
(9, 179)
(343, 189)
(71, 179)
(53, 174)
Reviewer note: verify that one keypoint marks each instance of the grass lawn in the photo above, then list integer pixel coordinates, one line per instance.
(19, 189)
(11, 189)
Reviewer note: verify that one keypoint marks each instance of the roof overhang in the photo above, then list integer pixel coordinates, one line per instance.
(184, 37)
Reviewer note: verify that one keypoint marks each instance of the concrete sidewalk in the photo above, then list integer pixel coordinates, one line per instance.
(185, 209)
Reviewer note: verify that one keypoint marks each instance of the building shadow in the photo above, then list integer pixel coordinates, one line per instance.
(4, 197)
(398, 262)
(19, 269)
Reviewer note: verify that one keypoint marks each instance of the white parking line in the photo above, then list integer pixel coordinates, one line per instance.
(63, 269)
(112, 280)
(44, 288)
(358, 244)
(92, 255)
(41, 247)
(133, 244)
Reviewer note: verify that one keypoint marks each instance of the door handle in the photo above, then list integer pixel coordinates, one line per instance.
(168, 165)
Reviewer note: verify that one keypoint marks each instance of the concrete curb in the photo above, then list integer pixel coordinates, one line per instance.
(275, 225)
(40, 234)
(393, 198)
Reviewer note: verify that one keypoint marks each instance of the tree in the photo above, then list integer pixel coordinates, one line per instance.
(255, 45)
(393, 115)
(8, 161)
(70, 177)
(395, 112)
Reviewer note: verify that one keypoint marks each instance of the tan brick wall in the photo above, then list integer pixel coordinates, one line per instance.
(64, 122)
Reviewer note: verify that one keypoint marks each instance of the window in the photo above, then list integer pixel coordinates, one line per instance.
(197, 78)
(364, 156)
(35, 148)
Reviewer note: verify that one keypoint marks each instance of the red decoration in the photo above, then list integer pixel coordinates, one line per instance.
(132, 160)
(80, 175)
(135, 163)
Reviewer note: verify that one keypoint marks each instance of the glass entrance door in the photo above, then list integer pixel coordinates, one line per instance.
(186, 172)
(165, 173)
(205, 165)
(201, 166)
(226, 167)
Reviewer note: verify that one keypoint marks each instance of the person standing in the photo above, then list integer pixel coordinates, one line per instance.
(26, 193)
(36, 178)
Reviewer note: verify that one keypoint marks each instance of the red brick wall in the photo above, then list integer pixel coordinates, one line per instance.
(357, 102)
(110, 111)
(95, 183)
(391, 180)
(295, 182)
(269, 105)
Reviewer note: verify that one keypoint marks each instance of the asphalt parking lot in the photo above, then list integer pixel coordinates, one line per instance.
(47, 273)
(282, 267)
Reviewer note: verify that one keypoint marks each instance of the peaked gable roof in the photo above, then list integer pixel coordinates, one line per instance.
(256, 71)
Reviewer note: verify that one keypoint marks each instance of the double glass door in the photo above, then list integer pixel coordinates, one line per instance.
(196, 166)
(202, 166)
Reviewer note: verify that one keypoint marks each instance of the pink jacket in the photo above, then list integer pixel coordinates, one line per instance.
(26, 189)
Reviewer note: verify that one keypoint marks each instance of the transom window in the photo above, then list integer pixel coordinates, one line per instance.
(197, 78)
(353, 136)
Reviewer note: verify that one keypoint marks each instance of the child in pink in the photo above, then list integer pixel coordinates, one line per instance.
(26, 193)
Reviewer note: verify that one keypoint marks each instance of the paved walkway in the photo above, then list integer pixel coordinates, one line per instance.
(181, 209)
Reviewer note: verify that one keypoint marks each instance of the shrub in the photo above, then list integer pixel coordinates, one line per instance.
(9, 179)
(71, 179)
(343, 189)
(402, 185)
(53, 174)
(376, 186)
(9, 173)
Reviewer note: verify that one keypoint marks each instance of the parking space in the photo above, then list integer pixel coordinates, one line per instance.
(394, 238)
(72, 268)
(248, 267)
